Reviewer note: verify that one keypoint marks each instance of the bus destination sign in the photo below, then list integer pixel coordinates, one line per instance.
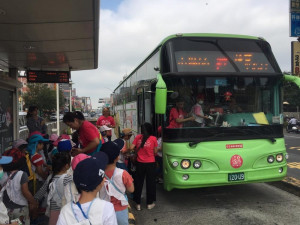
(38, 76)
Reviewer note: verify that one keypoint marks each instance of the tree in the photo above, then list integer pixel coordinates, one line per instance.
(43, 97)
(291, 94)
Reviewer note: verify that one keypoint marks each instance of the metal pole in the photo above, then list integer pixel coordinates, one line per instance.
(71, 96)
(57, 109)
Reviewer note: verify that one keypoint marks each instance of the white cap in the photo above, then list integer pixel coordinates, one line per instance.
(104, 128)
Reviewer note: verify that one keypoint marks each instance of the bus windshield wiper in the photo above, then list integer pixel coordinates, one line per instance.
(243, 131)
(191, 144)
(273, 140)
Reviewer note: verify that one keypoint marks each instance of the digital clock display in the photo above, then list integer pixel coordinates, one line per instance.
(215, 61)
(37, 76)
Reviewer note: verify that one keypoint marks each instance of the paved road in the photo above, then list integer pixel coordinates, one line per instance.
(292, 142)
(240, 204)
(235, 205)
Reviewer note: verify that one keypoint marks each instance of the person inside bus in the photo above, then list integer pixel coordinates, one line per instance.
(233, 107)
(230, 104)
(197, 111)
(178, 116)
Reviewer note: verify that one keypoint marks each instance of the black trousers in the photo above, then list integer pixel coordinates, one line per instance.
(142, 170)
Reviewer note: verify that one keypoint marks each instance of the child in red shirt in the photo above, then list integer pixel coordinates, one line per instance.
(35, 147)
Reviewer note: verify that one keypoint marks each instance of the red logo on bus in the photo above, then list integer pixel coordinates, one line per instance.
(234, 146)
(236, 161)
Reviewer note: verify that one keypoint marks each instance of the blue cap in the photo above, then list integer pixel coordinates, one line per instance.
(64, 146)
(112, 149)
(5, 160)
(89, 173)
(33, 141)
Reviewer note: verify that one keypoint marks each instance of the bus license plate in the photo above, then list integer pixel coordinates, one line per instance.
(236, 176)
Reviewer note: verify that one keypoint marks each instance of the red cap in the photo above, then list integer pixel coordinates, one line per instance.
(227, 95)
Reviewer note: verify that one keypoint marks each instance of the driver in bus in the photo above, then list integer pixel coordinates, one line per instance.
(197, 112)
(178, 115)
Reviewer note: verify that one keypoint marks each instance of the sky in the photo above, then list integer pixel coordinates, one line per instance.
(131, 29)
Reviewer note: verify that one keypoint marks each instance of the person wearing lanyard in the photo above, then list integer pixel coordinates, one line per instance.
(89, 210)
(89, 136)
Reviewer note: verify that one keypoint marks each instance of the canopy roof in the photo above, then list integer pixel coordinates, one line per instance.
(49, 34)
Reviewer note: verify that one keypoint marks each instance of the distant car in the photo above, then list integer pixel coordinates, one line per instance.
(53, 116)
(86, 115)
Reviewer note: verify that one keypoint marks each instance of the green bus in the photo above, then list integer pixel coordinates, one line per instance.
(235, 145)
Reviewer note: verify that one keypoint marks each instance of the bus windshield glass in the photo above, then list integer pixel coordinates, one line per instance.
(220, 103)
(220, 55)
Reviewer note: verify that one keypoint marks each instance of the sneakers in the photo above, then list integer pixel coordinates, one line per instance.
(150, 206)
(138, 207)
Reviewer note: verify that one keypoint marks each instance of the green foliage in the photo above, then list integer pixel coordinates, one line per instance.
(291, 94)
(42, 97)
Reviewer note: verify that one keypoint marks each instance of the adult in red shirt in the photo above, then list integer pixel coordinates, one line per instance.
(177, 115)
(106, 120)
(89, 135)
(145, 145)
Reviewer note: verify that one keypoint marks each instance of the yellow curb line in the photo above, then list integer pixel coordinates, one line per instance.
(131, 218)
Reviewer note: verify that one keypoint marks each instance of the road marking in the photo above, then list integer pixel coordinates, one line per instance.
(296, 148)
(294, 165)
(292, 181)
(131, 218)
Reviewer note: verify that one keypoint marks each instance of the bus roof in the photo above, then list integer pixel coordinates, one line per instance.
(212, 35)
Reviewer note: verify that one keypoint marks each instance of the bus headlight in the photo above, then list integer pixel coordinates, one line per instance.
(175, 164)
(279, 157)
(270, 159)
(197, 164)
(185, 164)
(185, 177)
(280, 170)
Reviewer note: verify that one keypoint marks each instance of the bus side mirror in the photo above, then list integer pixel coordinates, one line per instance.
(160, 96)
(293, 79)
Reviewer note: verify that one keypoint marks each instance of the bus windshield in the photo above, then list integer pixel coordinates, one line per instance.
(220, 103)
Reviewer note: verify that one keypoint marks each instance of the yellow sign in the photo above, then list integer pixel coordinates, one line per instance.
(296, 58)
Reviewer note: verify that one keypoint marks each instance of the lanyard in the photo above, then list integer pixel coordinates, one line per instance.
(85, 215)
(97, 149)
(112, 182)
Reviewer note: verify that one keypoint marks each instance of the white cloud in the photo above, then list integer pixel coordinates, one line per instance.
(130, 33)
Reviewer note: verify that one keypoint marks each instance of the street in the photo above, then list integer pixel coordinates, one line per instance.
(241, 204)
(292, 142)
(258, 203)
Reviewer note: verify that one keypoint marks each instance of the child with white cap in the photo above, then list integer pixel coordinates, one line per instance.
(89, 178)
(103, 129)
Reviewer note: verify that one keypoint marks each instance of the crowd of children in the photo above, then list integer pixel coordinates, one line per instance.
(82, 189)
